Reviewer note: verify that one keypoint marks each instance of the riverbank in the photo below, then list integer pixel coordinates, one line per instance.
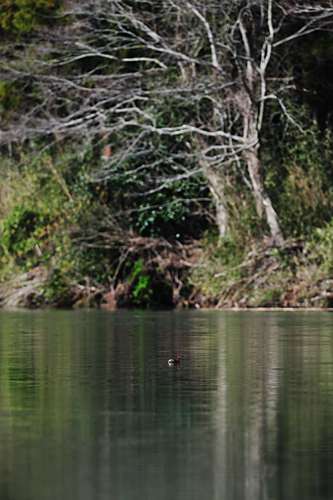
(199, 275)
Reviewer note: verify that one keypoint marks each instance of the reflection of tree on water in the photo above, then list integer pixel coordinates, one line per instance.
(90, 408)
(245, 409)
(271, 414)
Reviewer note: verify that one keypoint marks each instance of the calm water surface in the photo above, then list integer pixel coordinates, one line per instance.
(90, 409)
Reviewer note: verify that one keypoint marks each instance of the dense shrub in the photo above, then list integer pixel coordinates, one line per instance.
(23, 16)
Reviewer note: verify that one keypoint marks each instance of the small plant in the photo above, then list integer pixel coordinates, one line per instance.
(143, 287)
(143, 290)
(57, 287)
(320, 247)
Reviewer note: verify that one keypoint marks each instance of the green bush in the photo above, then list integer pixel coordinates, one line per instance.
(320, 247)
(23, 229)
(23, 16)
(57, 287)
(142, 284)
(299, 175)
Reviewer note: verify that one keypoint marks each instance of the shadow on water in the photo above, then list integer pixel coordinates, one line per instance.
(90, 409)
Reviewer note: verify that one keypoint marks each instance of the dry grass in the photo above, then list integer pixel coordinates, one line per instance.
(268, 277)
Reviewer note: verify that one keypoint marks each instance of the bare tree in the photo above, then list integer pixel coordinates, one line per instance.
(194, 70)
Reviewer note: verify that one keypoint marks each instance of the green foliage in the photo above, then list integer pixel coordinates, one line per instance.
(172, 211)
(57, 287)
(18, 97)
(95, 263)
(9, 98)
(22, 229)
(175, 112)
(23, 16)
(149, 287)
(271, 298)
(320, 247)
(169, 215)
(137, 268)
(300, 176)
(229, 251)
(142, 292)
(35, 209)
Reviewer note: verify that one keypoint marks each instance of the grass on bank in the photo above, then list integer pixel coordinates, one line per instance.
(299, 274)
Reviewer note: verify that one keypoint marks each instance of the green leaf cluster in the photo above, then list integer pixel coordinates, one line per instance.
(141, 280)
(23, 16)
(22, 229)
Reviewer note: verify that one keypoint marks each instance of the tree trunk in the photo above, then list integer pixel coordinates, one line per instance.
(216, 188)
(261, 195)
(254, 166)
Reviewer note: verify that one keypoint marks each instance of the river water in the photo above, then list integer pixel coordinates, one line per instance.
(90, 409)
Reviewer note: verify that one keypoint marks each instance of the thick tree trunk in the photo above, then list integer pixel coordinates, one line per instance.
(254, 166)
(262, 199)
